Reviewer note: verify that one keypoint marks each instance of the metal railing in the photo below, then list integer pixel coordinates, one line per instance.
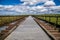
(52, 19)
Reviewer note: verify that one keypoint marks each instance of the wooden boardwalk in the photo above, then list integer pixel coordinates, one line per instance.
(28, 30)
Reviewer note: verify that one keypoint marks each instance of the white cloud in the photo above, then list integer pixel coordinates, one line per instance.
(49, 3)
(44, 10)
(32, 2)
(25, 8)
(57, 7)
(40, 7)
(3, 7)
(8, 6)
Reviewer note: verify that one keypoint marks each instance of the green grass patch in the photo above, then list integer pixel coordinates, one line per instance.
(4, 20)
(50, 17)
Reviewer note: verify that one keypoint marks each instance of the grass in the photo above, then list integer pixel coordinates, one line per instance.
(52, 18)
(59, 21)
(4, 20)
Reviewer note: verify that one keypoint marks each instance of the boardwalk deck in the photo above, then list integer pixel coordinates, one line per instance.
(28, 30)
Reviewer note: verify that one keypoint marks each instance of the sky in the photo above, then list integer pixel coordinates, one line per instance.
(16, 2)
(57, 2)
(10, 2)
(29, 6)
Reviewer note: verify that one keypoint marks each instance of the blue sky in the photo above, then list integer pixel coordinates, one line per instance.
(57, 2)
(28, 6)
(16, 2)
(10, 2)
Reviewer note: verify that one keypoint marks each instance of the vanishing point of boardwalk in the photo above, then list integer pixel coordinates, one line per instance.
(28, 30)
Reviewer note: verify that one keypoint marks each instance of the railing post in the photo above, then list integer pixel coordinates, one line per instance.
(0, 20)
(56, 21)
(45, 18)
(49, 18)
